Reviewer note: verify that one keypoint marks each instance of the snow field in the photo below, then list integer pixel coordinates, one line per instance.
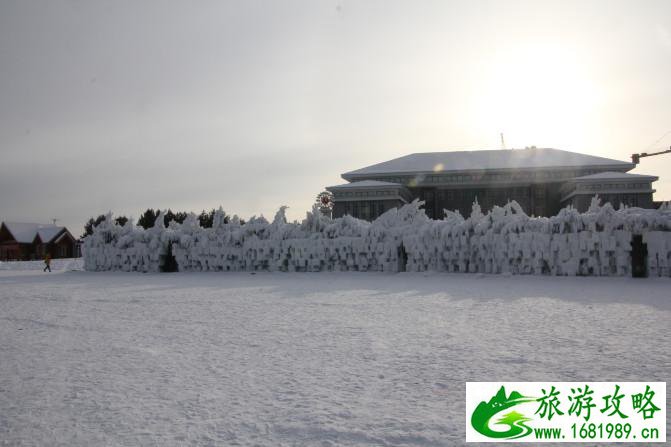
(326, 359)
(56, 264)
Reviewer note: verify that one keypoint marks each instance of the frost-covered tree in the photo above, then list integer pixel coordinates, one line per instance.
(206, 218)
(178, 217)
(147, 218)
(91, 224)
(121, 220)
(503, 240)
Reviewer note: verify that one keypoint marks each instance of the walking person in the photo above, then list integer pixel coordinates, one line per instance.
(47, 262)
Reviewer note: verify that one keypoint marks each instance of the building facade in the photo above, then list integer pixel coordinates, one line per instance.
(541, 180)
(29, 241)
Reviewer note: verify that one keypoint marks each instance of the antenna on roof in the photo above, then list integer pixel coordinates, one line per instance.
(54, 220)
(503, 142)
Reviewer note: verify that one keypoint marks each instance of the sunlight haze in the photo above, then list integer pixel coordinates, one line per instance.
(127, 105)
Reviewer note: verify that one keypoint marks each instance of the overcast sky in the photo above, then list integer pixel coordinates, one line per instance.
(124, 105)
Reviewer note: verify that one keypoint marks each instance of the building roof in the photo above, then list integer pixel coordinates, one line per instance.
(48, 233)
(366, 184)
(25, 232)
(427, 162)
(611, 175)
(61, 236)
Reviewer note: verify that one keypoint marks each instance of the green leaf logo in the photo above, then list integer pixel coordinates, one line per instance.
(487, 411)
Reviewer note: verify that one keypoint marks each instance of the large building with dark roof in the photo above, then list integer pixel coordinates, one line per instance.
(541, 180)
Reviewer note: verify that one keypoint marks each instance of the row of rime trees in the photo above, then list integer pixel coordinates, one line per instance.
(148, 218)
(324, 201)
(599, 242)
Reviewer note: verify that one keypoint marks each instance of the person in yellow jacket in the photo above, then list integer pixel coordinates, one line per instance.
(47, 262)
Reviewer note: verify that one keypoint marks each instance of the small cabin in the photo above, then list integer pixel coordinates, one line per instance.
(29, 241)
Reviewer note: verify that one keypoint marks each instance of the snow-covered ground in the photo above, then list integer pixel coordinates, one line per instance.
(305, 358)
(56, 264)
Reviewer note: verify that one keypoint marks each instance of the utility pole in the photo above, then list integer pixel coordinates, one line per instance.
(503, 143)
(636, 158)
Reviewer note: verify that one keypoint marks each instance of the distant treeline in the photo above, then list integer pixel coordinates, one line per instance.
(148, 218)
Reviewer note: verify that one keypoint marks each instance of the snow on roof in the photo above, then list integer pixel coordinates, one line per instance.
(364, 184)
(48, 233)
(62, 235)
(25, 232)
(486, 159)
(616, 175)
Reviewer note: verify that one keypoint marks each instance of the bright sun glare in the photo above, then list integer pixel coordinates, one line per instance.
(540, 95)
